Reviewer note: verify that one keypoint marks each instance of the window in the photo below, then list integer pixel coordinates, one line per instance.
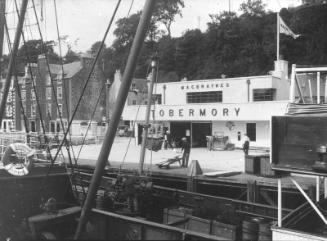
(156, 99)
(48, 93)
(264, 94)
(33, 97)
(9, 111)
(23, 95)
(48, 110)
(59, 92)
(60, 110)
(251, 131)
(133, 102)
(9, 98)
(33, 126)
(205, 97)
(33, 110)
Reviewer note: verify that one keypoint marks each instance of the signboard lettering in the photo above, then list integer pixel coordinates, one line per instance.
(200, 112)
(225, 112)
(237, 110)
(205, 86)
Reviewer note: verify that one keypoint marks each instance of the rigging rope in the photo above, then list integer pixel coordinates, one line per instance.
(63, 75)
(93, 114)
(65, 92)
(87, 80)
(32, 77)
(51, 81)
(38, 103)
(56, 101)
(134, 123)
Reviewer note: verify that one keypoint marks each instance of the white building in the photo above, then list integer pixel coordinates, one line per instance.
(225, 107)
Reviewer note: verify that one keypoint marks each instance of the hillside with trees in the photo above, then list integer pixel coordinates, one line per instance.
(241, 44)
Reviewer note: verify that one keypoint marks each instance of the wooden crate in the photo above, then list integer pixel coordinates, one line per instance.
(252, 164)
(227, 231)
(265, 167)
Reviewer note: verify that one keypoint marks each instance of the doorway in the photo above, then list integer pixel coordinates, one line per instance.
(52, 127)
(179, 130)
(33, 126)
(139, 134)
(199, 133)
(251, 131)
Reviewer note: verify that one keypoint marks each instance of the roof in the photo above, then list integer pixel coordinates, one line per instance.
(69, 69)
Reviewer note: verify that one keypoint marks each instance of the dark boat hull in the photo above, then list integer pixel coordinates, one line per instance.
(24, 196)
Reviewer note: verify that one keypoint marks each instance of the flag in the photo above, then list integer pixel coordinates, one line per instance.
(283, 28)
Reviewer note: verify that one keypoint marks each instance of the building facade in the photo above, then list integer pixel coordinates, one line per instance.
(58, 93)
(9, 118)
(221, 107)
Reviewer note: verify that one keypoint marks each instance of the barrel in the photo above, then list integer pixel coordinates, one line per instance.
(100, 200)
(250, 230)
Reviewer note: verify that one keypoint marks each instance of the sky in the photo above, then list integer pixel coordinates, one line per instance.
(85, 21)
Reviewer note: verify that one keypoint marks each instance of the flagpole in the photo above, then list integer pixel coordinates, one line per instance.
(278, 31)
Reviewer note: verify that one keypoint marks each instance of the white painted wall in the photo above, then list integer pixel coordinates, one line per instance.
(287, 234)
(235, 90)
(262, 131)
(254, 111)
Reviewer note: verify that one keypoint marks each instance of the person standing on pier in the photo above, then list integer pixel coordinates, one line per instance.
(246, 144)
(186, 149)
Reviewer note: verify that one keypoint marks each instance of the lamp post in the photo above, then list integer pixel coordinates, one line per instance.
(164, 94)
(248, 82)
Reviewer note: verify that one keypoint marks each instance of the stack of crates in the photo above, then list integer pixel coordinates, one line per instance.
(252, 164)
(258, 165)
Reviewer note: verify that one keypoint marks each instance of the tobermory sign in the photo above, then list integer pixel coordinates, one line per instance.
(204, 113)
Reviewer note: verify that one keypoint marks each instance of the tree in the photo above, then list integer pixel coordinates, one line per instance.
(71, 56)
(166, 11)
(253, 8)
(125, 31)
(31, 49)
(95, 48)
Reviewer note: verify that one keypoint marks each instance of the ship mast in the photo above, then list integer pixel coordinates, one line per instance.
(120, 102)
(13, 56)
(2, 27)
(147, 115)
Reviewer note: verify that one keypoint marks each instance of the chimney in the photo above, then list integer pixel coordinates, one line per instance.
(281, 69)
(41, 61)
(117, 75)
